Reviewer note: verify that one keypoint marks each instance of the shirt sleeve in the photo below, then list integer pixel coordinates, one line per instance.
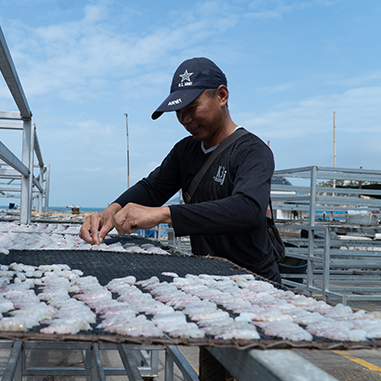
(158, 187)
(244, 209)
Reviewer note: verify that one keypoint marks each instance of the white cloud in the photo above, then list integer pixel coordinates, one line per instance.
(73, 58)
(275, 9)
(302, 132)
(356, 107)
(280, 87)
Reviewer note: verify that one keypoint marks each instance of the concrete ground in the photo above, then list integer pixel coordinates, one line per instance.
(355, 364)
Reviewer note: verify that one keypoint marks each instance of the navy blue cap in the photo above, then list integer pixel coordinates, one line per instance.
(191, 78)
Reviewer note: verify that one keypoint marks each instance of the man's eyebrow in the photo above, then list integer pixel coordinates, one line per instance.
(194, 103)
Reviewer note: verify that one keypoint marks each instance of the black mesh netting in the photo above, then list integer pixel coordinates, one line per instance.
(107, 265)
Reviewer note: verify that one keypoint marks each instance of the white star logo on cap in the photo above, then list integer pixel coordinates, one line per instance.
(185, 76)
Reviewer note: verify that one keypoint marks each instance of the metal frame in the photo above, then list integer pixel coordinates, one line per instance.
(11, 167)
(141, 362)
(138, 361)
(344, 269)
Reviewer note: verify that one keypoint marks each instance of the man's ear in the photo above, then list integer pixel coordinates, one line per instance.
(223, 95)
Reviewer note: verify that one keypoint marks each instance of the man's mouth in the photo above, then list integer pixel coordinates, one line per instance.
(193, 129)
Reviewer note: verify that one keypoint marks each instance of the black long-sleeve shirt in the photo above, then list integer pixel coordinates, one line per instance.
(226, 217)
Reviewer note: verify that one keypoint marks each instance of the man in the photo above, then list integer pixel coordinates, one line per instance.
(226, 216)
(227, 213)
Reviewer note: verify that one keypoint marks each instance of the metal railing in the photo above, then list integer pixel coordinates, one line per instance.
(338, 212)
(137, 362)
(19, 173)
(166, 235)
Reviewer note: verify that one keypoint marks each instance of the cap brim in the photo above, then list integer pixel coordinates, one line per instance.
(177, 100)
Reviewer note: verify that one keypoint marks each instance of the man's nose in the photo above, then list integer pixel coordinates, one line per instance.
(184, 117)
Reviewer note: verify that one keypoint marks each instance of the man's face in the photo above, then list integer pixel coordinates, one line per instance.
(202, 118)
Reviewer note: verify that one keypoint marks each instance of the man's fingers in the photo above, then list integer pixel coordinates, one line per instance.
(128, 219)
(104, 231)
(122, 229)
(123, 225)
(95, 225)
(85, 235)
(84, 232)
(134, 217)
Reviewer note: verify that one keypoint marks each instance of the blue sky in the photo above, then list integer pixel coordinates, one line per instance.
(290, 65)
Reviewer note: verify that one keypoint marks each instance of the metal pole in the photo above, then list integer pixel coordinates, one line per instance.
(128, 154)
(47, 188)
(334, 138)
(311, 234)
(326, 261)
(27, 181)
(334, 156)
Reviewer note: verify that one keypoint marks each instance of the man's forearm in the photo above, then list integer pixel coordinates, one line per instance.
(166, 217)
(133, 217)
(113, 208)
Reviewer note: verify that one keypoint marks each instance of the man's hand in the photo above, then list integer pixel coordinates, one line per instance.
(97, 225)
(133, 217)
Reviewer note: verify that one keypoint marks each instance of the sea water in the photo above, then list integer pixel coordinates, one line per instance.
(81, 208)
(62, 208)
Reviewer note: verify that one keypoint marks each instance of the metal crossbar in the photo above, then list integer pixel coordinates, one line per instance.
(174, 356)
(12, 369)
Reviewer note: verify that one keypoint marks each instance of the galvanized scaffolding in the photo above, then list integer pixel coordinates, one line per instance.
(330, 220)
(25, 178)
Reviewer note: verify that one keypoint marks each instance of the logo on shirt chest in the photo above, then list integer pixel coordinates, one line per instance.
(220, 176)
